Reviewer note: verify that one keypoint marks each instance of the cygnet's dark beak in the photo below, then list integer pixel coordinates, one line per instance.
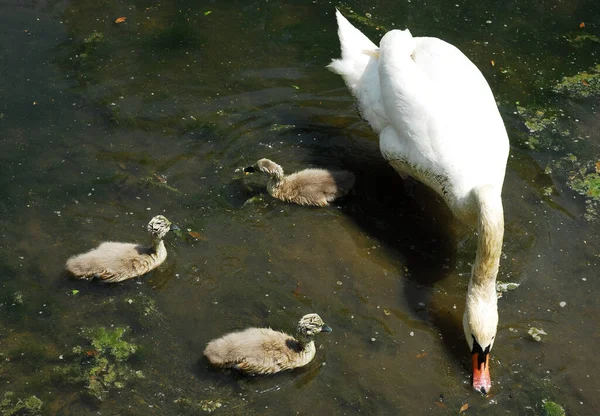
(326, 328)
(249, 169)
(174, 227)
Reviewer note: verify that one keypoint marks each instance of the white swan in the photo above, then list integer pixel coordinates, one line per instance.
(438, 122)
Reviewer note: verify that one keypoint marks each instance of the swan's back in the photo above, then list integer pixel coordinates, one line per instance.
(443, 111)
(433, 109)
(258, 351)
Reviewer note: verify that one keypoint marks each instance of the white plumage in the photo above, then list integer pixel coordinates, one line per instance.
(438, 122)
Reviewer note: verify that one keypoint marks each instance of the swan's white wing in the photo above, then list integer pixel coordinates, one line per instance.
(443, 111)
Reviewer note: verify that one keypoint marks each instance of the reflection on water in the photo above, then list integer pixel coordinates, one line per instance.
(104, 125)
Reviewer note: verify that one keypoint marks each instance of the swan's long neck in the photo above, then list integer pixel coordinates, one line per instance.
(491, 233)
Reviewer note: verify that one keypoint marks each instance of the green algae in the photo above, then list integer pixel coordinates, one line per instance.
(550, 408)
(100, 364)
(110, 342)
(581, 85)
(94, 37)
(543, 126)
(584, 178)
(502, 287)
(11, 405)
(206, 405)
(580, 39)
(143, 308)
(89, 44)
(536, 120)
(588, 185)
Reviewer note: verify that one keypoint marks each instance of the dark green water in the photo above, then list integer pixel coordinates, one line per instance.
(92, 111)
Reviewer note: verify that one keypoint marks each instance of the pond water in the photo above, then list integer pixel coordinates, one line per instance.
(96, 115)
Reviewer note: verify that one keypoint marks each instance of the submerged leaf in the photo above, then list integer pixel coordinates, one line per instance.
(463, 408)
(197, 235)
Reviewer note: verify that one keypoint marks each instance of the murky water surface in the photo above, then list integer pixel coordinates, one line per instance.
(104, 124)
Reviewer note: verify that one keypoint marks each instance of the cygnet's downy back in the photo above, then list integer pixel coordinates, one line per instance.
(317, 187)
(265, 351)
(114, 262)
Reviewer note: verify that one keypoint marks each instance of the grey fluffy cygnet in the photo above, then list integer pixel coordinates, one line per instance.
(265, 351)
(316, 187)
(114, 262)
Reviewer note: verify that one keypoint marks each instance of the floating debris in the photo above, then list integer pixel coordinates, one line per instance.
(506, 286)
(280, 127)
(161, 178)
(536, 333)
(18, 298)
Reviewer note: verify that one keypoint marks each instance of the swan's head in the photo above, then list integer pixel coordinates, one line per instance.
(480, 322)
(159, 226)
(265, 166)
(312, 324)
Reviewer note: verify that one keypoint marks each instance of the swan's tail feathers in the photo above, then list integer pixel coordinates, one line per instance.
(359, 69)
(354, 45)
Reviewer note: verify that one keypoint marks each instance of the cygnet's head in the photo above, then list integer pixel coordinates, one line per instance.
(266, 166)
(159, 226)
(312, 324)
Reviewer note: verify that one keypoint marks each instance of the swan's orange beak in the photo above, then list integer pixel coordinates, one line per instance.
(482, 381)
